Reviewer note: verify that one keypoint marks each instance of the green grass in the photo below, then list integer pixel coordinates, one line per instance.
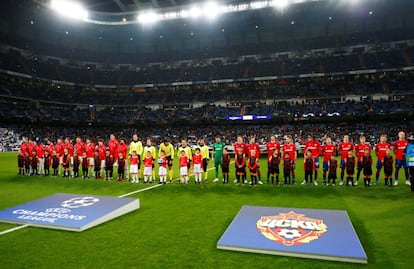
(178, 226)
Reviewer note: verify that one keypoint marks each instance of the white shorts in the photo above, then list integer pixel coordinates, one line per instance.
(183, 171)
(133, 169)
(197, 168)
(162, 171)
(103, 164)
(91, 161)
(148, 171)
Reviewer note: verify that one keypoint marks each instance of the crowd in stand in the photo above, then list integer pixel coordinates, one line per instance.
(37, 101)
(248, 67)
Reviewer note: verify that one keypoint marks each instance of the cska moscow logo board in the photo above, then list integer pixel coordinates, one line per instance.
(291, 229)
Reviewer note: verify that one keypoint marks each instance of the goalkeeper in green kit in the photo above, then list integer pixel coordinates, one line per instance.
(218, 148)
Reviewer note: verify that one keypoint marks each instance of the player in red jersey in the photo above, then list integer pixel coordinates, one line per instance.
(40, 151)
(49, 146)
(344, 147)
(102, 152)
(381, 150)
(359, 152)
(90, 154)
(328, 150)
(399, 148)
(315, 147)
(29, 147)
(69, 146)
(23, 146)
(113, 145)
(60, 147)
(253, 151)
(240, 148)
(271, 146)
(79, 146)
(290, 149)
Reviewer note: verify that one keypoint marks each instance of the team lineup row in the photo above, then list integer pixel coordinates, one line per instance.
(100, 160)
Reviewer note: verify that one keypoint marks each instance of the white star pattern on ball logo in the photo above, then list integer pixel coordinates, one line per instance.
(79, 202)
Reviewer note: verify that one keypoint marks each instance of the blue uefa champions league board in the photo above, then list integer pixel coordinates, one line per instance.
(74, 212)
(306, 233)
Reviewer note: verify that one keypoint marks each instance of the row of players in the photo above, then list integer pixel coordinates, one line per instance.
(36, 158)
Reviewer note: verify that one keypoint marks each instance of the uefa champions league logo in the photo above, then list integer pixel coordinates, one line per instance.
(58, 210)
(291, 229)
(79, 202)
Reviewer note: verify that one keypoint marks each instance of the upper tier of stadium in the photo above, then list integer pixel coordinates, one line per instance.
(310, 25)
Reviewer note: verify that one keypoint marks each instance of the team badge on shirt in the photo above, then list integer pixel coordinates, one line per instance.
(291, 229)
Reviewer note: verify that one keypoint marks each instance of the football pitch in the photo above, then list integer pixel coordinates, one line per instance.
(178, 226)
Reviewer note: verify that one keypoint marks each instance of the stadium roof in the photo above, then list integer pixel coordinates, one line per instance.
(32, 25)
(123, 12)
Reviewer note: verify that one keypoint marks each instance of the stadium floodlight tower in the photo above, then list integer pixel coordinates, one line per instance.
(70, 9)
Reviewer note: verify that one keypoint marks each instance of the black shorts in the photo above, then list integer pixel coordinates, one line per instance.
(241, 170)
(274, 170)
(204, 165)
(169, 161)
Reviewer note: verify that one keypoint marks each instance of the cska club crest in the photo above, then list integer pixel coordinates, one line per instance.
(291, 229)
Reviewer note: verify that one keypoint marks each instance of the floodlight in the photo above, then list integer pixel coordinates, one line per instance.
(148, 17)
(69, 9)
(195, 12)
(259, 4)
(211, 10)
(170, 15)
(280, 4)
(242, 7)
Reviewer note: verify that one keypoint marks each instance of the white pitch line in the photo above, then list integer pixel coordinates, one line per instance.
(141, 190)
(121, 196)
(156, 186)
(14, 229)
